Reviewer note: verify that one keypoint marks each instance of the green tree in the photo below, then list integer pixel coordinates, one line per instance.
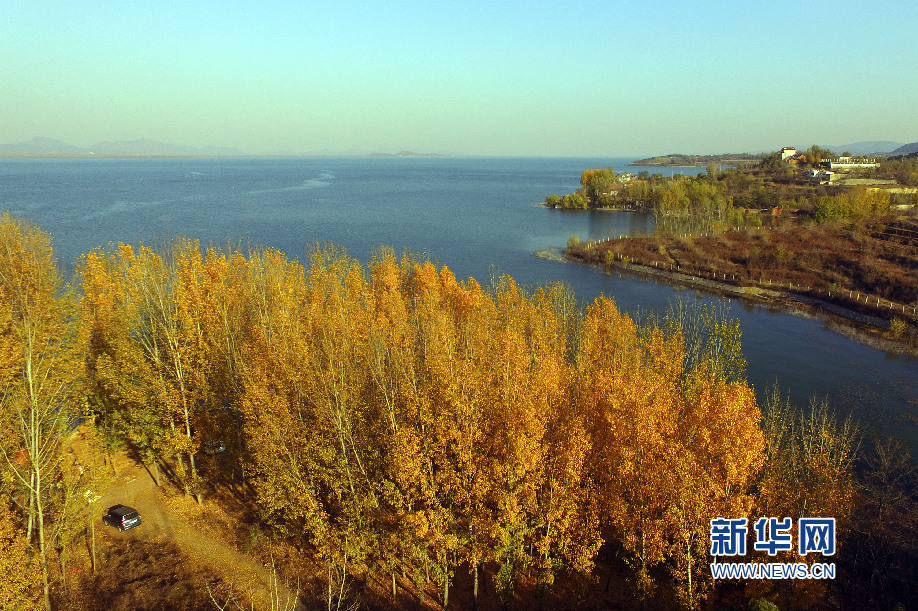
(595, 183)
(816, 154)
(574, 201)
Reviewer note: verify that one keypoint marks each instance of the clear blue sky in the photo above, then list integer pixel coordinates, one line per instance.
(491, 77)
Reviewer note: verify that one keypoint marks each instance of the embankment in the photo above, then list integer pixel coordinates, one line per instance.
(871, 330)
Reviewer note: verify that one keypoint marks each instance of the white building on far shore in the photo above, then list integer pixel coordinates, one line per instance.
(843, 164)
(821, 177)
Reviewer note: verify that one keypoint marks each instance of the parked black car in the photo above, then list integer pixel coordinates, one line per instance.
(212, 448)
(121, 517)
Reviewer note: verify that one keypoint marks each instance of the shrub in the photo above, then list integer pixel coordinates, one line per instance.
(898, 327)
(760, 604)
(783, 255)
(574, 201)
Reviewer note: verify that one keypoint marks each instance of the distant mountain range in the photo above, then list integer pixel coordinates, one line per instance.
(144, 147)
(41, 146)
(406, 154)
(871, 147)
(906, 149)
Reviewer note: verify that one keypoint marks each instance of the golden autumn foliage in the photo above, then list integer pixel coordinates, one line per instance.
(164, 334)
(39, 370)
(394, 418)
(406, 419)
(673, 448)
(808, 471)
(21, 585)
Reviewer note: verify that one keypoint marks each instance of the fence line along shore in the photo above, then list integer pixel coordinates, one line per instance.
(795, 296)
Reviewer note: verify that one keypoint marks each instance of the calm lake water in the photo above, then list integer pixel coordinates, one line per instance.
(474, 215)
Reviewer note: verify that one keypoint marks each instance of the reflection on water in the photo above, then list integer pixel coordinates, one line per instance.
(614, 223)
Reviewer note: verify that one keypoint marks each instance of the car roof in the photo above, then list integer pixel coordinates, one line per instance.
(122, 510)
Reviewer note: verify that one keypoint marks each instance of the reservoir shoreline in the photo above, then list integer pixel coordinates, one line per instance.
(860, 327)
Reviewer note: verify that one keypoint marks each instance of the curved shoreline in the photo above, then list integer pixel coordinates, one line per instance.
(854, 325)
(597, 209)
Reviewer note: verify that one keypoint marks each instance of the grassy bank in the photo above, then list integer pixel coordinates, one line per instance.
(865, 272)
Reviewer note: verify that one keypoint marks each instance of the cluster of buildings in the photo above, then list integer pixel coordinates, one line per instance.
(828, 170)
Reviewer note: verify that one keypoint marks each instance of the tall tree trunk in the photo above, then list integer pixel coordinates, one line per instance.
(446, 583)
(42, 550)
(181, 469)
(31, 510)
(688, 549)
(92, 527)
(643, 552)
(194, 471)
(475, 588)
(329, 595)
(343, 578)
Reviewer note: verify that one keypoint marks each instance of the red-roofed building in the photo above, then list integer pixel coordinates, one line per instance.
(787, 152)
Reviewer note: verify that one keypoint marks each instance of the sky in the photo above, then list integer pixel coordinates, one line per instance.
(470, 77)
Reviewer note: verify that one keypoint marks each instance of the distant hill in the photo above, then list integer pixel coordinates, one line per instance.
(871, 147)
(40, 147)
(153, 148)
(48, 147)
(405, 154)
(906, 149)
(145, 147)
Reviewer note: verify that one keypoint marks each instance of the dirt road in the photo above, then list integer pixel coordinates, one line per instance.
(136, 488)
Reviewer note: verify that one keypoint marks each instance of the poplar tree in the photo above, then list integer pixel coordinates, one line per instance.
(148, 361)
(21, 586)
(40, 368)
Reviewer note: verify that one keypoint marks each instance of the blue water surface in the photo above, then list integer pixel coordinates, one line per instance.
(476, 215)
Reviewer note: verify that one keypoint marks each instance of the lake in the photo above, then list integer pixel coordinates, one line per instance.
(476, 215)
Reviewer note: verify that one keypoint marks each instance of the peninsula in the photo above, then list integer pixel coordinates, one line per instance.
(812, 231)
(679, 160)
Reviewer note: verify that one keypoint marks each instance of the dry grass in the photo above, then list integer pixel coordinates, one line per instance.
(221, 517)
(868, 257)
(137, 573)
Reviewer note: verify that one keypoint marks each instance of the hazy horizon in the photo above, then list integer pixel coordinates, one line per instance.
(476, 79)
(218, 152)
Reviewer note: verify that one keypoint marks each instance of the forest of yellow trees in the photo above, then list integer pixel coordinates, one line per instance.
(390, 418)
